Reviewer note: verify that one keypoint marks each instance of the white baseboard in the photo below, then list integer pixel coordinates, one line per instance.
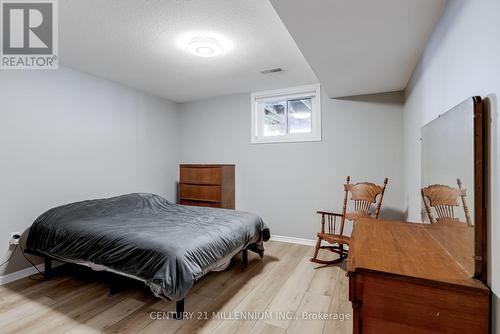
(293, 240)
(21, 274)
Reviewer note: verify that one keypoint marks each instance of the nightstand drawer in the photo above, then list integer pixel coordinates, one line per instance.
(200, 192)
(200, 203)
(201, 175)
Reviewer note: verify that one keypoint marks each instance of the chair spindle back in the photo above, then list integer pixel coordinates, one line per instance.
(444, 199)
(363, 194)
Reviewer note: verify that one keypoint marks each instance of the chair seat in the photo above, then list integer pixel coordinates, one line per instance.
(334, 238)
(353, 216)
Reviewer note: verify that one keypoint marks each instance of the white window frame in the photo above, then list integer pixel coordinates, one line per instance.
(288, 93)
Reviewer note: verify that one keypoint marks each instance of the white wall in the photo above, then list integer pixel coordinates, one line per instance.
(66, 136)
(286, 183)
(462, 59)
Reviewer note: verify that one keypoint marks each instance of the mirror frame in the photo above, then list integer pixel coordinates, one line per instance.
(481, 188)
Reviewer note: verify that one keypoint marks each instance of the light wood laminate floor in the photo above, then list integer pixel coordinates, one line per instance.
(280, 291)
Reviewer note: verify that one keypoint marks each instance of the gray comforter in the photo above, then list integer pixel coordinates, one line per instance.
(168, 246)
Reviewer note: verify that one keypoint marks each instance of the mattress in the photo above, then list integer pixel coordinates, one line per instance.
(144, 236)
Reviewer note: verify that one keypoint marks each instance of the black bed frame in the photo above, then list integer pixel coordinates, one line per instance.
(113, 289)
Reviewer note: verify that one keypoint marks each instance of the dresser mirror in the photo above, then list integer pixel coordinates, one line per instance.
(453, 184)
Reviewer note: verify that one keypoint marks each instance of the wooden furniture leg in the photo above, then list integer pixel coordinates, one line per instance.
(113, 289)
(48, 267)
(245, 256)
(316, 250)
(179, 310)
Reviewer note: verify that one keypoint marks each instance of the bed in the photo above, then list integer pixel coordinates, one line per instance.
(143, 236)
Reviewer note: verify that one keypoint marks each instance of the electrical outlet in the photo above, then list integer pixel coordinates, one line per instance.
(14, 238)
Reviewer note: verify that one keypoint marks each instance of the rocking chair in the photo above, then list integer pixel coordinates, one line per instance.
(444, 199)
(363, 195)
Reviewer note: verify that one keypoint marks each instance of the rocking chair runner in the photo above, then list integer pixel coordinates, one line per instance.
(363, 195)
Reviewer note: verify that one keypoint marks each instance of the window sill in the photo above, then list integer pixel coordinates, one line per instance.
(271, 140)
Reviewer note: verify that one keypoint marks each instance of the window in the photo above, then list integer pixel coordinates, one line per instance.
(287, 115)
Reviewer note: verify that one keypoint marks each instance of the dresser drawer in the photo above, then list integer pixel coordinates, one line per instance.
(200, 203)
(200, 192)
(201, 175)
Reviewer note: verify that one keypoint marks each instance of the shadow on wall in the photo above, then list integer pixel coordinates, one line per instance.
(389, 213)
(397, 98)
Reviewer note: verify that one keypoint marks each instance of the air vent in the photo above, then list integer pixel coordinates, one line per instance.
(272, 70)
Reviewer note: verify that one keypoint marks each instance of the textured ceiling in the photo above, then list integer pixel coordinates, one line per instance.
(134, 42)
(360, 47)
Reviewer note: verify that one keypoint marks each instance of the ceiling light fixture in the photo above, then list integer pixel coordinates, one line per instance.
(204, 43)
(205, 47)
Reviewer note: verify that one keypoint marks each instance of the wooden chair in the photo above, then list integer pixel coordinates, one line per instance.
(444, 199)
(363, 195)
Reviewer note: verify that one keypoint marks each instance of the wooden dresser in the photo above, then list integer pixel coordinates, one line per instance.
(402, 280)
(207, 185)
